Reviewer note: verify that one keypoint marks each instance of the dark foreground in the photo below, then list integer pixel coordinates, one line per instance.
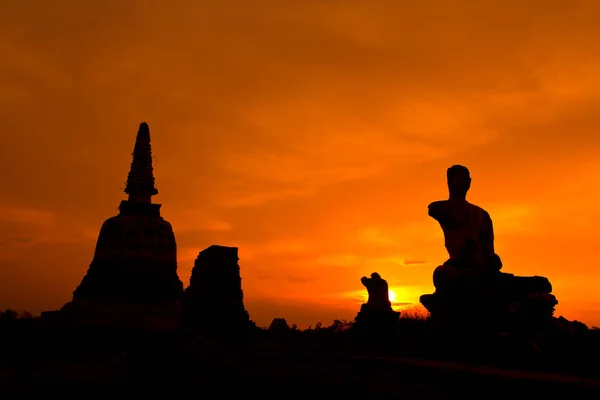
(54, 363)
(277, 373)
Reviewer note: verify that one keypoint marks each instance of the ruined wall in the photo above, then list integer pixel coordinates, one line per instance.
(214, 299)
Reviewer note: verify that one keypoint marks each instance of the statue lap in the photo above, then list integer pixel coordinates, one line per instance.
(448, 278)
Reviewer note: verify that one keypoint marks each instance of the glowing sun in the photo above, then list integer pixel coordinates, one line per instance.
(393, 297)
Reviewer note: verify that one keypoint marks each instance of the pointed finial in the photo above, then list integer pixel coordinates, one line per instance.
(140, 181)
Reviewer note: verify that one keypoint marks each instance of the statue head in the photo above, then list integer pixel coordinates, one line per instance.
(375, 275)
(459, 180)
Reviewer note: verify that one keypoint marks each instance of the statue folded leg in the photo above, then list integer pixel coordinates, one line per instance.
(519, 286)
(450, 279)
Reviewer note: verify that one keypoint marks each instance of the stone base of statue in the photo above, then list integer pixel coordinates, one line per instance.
(563, 338)
(376, 322)
(499, 303)
(119, 314)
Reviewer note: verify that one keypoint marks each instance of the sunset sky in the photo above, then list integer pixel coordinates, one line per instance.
(311, 134)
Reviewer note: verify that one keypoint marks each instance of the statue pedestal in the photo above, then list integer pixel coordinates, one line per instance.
(525, 313)
(468, 299)
(375, 322)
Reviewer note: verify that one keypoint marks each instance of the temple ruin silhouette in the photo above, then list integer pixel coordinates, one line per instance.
(132, 280)
(136, 253)
(214, 300)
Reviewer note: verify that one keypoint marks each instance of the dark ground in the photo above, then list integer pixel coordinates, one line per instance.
(37, 360)
(99, 364)
(281, 375)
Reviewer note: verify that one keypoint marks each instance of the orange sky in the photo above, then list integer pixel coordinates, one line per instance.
(311, 134)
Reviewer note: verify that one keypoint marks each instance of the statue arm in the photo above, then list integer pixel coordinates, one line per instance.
(488, 235)
(488, 244)
(439, 211)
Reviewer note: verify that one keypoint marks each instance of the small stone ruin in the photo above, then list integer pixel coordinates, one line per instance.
(376, 316)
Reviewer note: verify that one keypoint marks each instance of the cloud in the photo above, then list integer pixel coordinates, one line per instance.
(298, 279)
(186, 254)
(193, 220)
(342, 260)
(374, 236)
(509, 218)
(252, 197)
(398, 304)
(415, 262)
(286, 247)
(25, 229)
(27, 216)
(393, 261)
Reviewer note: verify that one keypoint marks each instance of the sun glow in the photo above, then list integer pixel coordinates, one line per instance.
(393, 297)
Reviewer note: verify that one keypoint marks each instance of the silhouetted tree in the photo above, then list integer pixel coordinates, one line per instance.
(341, 325)
(26, 315)
(8, 316)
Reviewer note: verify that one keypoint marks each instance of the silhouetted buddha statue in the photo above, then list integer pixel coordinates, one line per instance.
(378, 291)
(468, 233)
(473, 267)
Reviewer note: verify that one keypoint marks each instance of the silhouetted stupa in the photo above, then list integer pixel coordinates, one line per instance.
(135, 262)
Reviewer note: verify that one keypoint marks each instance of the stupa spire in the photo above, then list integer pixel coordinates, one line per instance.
(140, 181)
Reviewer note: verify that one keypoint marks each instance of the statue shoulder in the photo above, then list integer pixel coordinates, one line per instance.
(437, 207)
(482, 211)
(439, 203)
(483, 214)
